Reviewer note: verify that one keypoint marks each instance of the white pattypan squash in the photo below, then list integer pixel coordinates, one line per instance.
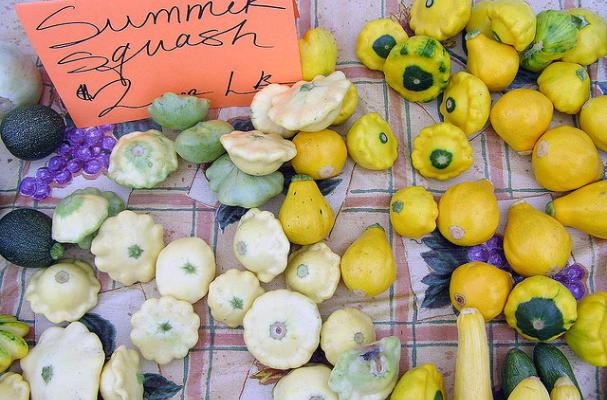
(13, 387)
(164, 329)
(77, 216)
(185, 268)
(261, 104)
(142, 159)
(231, 295)
(310, 106)
(257, 153)
(261, 245)
(65, 364)
(282, 329)
(120, 377)
(306, 383)
(344, 330)
(127, 246)
(63, 291)
(314, 271)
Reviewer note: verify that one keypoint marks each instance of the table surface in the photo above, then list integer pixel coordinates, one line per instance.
(219, 367)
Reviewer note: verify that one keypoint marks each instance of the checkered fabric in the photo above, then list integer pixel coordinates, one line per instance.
(219, 367)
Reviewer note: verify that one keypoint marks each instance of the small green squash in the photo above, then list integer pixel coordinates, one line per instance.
(418, 68)
(235, 188)
(556, 34)
(541, 309)
(200, 143)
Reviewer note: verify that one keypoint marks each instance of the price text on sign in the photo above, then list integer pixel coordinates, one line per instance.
(109, 59)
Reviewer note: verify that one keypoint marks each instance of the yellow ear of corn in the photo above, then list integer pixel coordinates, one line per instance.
(472, 376)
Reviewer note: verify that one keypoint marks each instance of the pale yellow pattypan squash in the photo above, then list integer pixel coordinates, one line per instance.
(142, 159)
(126, 247)
(440, 19)
(231, 295)
(282, 329)
(164, 329)
(261, 104)
(185, 268)
(64, 291)
(345, 329)
(310, 106)
(314, 271)
(13, 387)
(261, 245)
(120, 377)
(257, 153)
(306, 383)
(65, 364)
(512, 22)
(591, 38)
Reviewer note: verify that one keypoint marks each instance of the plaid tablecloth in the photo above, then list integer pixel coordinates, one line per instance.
(219, 367)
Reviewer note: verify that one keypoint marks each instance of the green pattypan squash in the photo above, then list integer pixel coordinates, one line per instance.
(78, 216)
(556, 34)
(200, 143)
(142, 159)
(235, 188)
(175, 111)
(368, 372)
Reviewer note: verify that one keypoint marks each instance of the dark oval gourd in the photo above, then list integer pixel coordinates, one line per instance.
(26, 241)
(32, 132)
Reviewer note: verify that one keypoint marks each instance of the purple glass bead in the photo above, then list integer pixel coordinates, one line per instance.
(577, 289)
(83, 153)
(56, 163)
(561, 277)
(42, 192)
(108, 143)
(44, 175)
(496, 258)
(63, 177)
(75, 136)
(96, 150)
(93, 136)
(575, 272)
(74, 166)
(27, 187)
(65, 149)
(105, 160)
(496, 242)
(92, 167)
(517, 278)
(478, 253)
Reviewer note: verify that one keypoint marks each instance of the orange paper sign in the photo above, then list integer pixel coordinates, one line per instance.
(109, 59)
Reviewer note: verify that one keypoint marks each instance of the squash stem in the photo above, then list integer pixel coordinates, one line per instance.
(57, 251)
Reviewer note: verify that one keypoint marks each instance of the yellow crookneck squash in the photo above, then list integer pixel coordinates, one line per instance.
(305, 215)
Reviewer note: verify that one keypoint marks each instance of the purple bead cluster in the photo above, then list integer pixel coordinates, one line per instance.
(573, 277)
(85, 150)
(492, 252)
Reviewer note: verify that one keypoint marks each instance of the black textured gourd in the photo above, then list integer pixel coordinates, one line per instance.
(32, 132)
(26, 239)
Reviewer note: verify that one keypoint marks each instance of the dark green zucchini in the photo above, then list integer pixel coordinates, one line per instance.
(32, 132)
(26, 239)
(517, 366)
(551, 364)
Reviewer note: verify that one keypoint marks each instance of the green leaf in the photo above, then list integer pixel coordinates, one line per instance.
(434, 279)
(436, 297)
(443, 262)
(227, 215)
(104, 329)
(157, 387)
(327, 186)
